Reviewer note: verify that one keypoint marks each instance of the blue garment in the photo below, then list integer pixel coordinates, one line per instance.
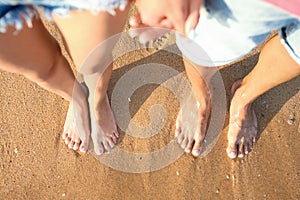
(229, 29)
(11, 10)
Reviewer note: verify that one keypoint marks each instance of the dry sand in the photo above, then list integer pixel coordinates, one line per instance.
(36, 164)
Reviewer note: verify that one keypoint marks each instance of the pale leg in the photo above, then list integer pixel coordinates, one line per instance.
(83, 31)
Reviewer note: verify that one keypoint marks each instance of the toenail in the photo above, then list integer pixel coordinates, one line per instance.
(99, 152)
(231, 154)
(187, 151)
(83, 150)
(196, 152)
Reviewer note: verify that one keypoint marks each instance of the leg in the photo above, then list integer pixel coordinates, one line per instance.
(275, 66)
(93, 31)
(200, 80)
(36, 55)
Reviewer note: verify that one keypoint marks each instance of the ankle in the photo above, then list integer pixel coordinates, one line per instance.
(79, 94)
(239, 106)
(241, 97)
(203, 96)
(100, 102)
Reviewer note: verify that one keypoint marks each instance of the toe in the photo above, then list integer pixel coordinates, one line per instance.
(197, 146)
(240, 150)
(65, 134)
(231, 153)
(180, 138)
(76, 146)
(98, 148)
(115, 140)
(231, 149)
(184, 143)
(116, 134)
(77, 140)
(177, 131)
(71, 144)
(197, 149)
(67, 140)
(69, 137)
(232, 143)
(246, 149)
(250, 145)
(189, 146)
(106, 145)
(84, 145)
(196, 152)
(111, 143)
(254, 140)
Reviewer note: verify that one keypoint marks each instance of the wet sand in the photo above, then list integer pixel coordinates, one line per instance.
(36, 164)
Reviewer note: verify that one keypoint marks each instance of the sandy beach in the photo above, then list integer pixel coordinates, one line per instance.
(36, 164)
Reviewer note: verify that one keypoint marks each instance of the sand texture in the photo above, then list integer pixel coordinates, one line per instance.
(36, 164)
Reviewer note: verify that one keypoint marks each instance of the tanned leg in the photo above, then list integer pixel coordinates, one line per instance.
(275, 66)
(200, 78)
(34, 53)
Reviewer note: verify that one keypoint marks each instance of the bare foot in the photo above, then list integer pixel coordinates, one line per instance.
(104, 129)
(191, 123)
(242, 125)
(76, 129)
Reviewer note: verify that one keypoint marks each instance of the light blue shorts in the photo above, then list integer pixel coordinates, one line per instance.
(11, 10)
(229, 29)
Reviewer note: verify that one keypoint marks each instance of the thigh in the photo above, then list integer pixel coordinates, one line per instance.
(83, 31)
(30, 50)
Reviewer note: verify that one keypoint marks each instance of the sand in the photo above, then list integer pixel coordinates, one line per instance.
(36, 164)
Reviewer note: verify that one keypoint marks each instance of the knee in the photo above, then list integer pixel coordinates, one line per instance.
(46, 72)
